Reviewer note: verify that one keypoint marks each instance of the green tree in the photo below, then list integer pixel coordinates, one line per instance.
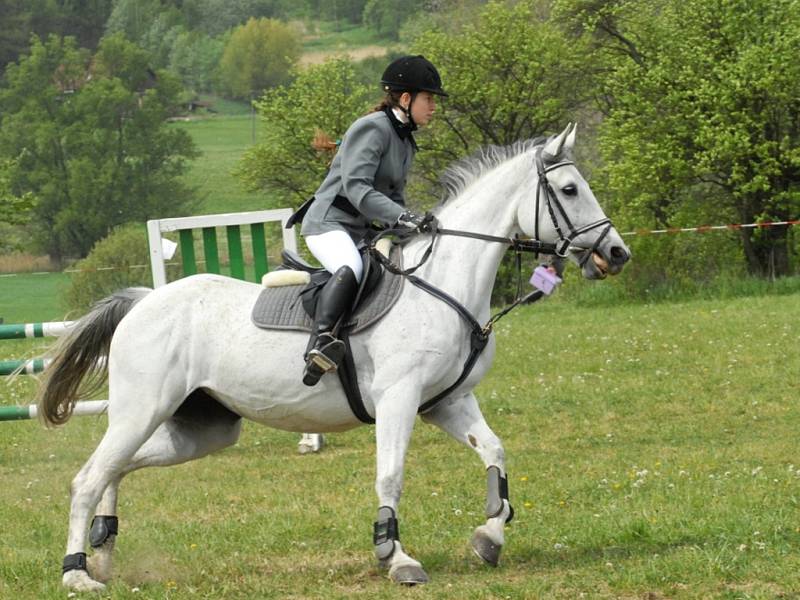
(511, 75)
(326, 97)
(258, 55)
(90, 142)
(194, 58)
(15, 209)
(386, 17)
(703, 118)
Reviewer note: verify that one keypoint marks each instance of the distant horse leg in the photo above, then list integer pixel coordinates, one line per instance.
(394, 420)
(178, 440)
(462, 419)
(310, 442)
(103, 534)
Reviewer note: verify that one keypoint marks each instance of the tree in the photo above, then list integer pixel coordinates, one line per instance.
(14, 208)
(324, 97)
(511, 75)
(703, 120)
(194, 58)
(258, 55)
(386, 17)
(90, 142)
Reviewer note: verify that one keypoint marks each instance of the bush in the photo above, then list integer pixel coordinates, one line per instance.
(125, 249)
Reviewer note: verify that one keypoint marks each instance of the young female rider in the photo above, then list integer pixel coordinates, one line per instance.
(366, 183)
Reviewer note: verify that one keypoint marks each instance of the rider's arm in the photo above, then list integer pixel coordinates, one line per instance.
(362, 150)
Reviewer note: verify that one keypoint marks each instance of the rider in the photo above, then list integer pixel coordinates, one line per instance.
(366, 183)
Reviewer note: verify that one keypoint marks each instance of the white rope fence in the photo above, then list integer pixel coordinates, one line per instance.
(643, 232)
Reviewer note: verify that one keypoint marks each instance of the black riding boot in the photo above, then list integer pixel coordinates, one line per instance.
(325, 352)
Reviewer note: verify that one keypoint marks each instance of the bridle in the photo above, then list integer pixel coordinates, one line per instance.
(564, 244)
(560, 248)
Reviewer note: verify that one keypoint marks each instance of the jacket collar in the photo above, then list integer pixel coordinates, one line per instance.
(403, 130)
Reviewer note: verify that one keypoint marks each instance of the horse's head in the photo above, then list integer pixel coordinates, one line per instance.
(566, 212)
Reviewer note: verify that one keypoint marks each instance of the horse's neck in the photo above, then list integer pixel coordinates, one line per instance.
(464, 267)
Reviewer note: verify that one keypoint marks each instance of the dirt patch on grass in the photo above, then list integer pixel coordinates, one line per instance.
(315, 58)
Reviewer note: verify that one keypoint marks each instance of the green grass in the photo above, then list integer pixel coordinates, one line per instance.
(651, 449)
(28, 297)
(222, 140)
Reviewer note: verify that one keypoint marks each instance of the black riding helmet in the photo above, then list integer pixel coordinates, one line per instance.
(412, 74)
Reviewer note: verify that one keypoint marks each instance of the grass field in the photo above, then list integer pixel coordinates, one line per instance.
(652, 452)
(222, 141)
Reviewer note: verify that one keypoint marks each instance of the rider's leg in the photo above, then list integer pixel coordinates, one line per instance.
(338, 254)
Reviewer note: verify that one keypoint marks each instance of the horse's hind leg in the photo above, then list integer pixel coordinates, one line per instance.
(198, 429)
(122, 439)
(462, 419)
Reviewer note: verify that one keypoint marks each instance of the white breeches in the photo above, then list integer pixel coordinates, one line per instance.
(335, 249)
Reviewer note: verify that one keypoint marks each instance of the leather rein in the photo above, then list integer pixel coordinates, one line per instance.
(479, 336)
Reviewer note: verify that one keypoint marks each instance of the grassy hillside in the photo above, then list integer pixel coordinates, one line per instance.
(651, 450)
(222, 140)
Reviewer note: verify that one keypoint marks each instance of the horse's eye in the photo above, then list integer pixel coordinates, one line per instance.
(570, 190)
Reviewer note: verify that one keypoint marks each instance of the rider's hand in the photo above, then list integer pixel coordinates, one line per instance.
(422, 223)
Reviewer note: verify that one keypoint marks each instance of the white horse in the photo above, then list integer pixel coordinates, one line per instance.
(196, 334)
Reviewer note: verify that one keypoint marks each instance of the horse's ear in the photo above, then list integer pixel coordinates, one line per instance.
(554, 146)
(569, 144)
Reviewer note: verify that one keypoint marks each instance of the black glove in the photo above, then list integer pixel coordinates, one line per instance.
(422, 223)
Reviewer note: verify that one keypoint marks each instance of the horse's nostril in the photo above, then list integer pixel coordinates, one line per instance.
(619, 255)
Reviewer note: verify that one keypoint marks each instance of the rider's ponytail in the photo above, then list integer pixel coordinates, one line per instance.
(390, 100)
(323, 143)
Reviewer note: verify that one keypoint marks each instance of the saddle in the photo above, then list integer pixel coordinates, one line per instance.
(292, 304)
(289, 298)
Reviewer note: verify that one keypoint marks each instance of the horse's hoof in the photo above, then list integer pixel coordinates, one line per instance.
(78, 580)
(99, 566)
(312, 442)
(408, 575)
(484, 547)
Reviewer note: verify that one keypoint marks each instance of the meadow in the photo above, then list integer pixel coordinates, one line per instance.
(651, 453)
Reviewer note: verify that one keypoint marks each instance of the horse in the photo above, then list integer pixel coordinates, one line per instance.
(181, 375)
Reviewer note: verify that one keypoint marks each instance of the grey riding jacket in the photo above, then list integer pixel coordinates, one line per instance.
(369, 171)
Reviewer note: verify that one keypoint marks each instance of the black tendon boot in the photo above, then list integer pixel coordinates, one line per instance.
(325, 351)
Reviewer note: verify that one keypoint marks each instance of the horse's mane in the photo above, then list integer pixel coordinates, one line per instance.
(465, 171)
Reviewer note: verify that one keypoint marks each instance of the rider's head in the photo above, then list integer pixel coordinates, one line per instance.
(412, 83)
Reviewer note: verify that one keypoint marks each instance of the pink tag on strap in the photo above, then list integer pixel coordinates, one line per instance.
(543, 279)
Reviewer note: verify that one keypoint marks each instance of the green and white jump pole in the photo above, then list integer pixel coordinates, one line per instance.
(18, 331)
(34, 330)
(20, 413)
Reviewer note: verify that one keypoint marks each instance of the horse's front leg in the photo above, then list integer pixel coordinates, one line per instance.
(461, 417)
(394, 419)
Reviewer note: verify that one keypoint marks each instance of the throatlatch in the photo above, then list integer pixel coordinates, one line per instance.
(385, 533)
(102, 528)
(496, 492)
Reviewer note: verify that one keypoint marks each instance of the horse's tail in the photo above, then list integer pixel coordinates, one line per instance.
(77, 354)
